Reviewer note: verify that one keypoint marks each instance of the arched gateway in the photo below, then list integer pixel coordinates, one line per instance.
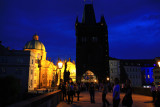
(89, 76)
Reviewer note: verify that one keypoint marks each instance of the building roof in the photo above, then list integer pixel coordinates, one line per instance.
(35, 44)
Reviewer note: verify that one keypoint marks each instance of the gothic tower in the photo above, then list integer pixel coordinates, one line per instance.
(92, 50)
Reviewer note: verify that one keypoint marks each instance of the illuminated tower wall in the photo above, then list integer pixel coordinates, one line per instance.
(92, 51)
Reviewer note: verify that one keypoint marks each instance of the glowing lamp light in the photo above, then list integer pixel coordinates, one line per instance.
(107, 78)
(60, 64)
(159, 63)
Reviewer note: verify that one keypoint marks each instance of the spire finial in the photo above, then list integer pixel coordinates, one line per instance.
(35, 36)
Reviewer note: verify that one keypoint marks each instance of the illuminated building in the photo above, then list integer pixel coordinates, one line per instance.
(71, 67)
(31, 67)
(44, 71)
(156, 72)
(114, 65)
(92, 53)
(140, 72)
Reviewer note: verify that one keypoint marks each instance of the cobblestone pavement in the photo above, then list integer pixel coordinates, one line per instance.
(138, 101)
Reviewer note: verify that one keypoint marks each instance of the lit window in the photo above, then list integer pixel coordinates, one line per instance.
(31, 71)
(148, 76)
(34, 81)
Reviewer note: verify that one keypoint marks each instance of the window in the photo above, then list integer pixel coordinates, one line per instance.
(31, 71)
(31, 83)
(20, 60)
(34, 81)
(94, 39)
(148, 76)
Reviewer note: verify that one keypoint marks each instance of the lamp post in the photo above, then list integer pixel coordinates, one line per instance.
(107, 78)
(60, 65)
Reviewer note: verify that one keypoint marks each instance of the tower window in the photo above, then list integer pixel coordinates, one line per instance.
(83, 39)
(94, 39)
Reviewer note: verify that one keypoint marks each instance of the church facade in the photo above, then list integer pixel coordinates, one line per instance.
(92, 50)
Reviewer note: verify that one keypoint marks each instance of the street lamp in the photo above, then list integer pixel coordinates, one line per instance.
(159, 63)
(60, 65)
(107, 78)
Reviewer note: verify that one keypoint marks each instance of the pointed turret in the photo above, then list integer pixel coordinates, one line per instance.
(88, 14)
(103, 20)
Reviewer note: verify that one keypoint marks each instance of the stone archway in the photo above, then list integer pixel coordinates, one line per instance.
(89, 76)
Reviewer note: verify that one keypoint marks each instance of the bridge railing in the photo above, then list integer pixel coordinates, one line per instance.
(142, 91)
(46, 100)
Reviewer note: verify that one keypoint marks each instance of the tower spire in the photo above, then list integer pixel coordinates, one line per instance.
(88, 14)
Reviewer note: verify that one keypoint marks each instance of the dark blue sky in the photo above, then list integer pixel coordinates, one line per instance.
(133, 25)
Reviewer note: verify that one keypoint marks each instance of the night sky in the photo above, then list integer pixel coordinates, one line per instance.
(133, 25)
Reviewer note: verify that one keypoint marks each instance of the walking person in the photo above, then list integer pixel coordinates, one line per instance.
(71, 92)
(153, 91)
(104, 92)
(68, 92)
(157, 101)
(127, 100)
(64, 91)
(78, 90)
(92, 92)
(116, 93)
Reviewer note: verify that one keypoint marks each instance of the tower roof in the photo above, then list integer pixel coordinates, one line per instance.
(35, 44)
(88, 14)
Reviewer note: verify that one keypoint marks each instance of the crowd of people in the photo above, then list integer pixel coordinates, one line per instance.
(71, 90)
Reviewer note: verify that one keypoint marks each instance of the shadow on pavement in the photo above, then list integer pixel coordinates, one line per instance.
(148, 102)
(74, 105)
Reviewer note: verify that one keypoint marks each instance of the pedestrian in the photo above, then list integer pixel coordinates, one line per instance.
(78, 88)
(157, 101)
(153, 91)
(92, 92)
(71, 91)
(104, 92)
(116, 93)
(74, 89)
(127, 100)
(64, 91)
(68, 92)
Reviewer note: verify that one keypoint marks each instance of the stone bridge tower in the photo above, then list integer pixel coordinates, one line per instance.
(92, 50)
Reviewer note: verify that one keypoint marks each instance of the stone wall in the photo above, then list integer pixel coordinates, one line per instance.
(46, 100)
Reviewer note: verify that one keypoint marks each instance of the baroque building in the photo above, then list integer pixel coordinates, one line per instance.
(42, 75)
(92, 50)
